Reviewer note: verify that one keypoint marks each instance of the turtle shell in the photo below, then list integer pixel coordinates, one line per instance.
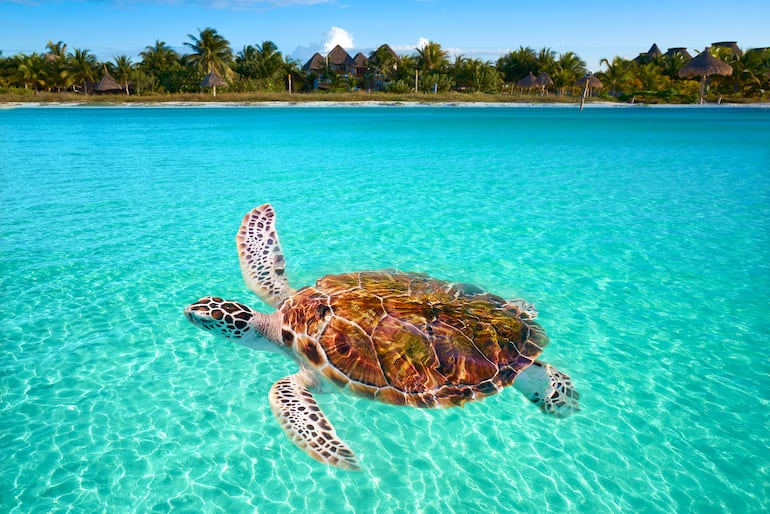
(409, 339)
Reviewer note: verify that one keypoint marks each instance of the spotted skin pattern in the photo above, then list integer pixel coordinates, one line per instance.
(261, 257)
(222, 317)
(305, 424)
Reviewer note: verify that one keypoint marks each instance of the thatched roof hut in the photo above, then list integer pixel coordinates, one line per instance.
(654, 51)
(648, 56)
(386, 47)
(732, 45)
(528, 82)
(544, 80)
(589, 81)
(340, 61)
(107, 83)
(360, 64)
(678, 50)
(213, 80)
(316, 64)
(704, 65)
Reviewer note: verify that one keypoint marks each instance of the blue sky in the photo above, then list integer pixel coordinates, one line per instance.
(483, 29)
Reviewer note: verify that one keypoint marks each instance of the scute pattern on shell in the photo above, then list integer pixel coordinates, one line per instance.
(406, 338)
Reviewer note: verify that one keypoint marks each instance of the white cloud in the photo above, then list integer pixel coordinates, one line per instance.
(410, 49)
(337, 36)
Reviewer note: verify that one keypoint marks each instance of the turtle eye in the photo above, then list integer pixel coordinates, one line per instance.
(321, 310)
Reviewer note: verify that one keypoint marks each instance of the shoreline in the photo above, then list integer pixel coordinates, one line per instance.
(372, 103)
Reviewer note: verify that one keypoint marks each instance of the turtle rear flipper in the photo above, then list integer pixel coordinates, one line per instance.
(549, 389)
(261, 257)
(307, 427)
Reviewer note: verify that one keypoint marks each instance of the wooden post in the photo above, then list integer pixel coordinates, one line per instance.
(416, 79)
(702, 89)
(583, 98)
(289, 83)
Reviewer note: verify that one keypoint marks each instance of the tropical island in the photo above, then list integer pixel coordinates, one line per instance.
(212, 71)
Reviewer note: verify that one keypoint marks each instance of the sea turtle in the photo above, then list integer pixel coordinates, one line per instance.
(399, 338)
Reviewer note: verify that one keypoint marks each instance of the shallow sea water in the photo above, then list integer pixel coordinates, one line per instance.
(641, 234)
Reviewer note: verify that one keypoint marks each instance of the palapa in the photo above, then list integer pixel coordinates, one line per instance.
(107, 83)
(589, 81)
(213, 80)
(648, 56)
(527, 82)
(704, 65)
(544, 80)
(315, 64)
(339, 60)
(654, 51)
(360, 63)
(731, 45)
(671, 52)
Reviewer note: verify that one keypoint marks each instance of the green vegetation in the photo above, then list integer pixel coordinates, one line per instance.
(261, 73)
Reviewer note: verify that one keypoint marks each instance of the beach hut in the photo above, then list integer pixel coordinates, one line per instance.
(340, 61)
(543, 81)
(360, 65)
(731, 45)
(213, 80)
(315, 64)
(671, 52)
(704, 65)
(589, 81)
(528, 82)
(649, 56)
(107, 84)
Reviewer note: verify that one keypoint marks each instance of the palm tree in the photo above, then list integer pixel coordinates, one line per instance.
(431, 57)
(484, 76)
(517, 63)
(161, 63)
(293, 69)
(270, 63)
(82, 66)
(6, 70)
(263, 63)
(32, 71)
(246, 62)
(56, 60)
(123, 71)
(545, 60)
(672, 64)
(755, 71)
(384, 61)
(650, 76)
(567, 69)
(750, 71)
(58, 49)
(618, 73)
(211, 52)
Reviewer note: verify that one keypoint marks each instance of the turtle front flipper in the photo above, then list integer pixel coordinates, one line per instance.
(305, 424)
(261, 257)
(549, 389)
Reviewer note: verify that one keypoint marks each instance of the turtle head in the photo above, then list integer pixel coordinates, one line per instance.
(236, 321)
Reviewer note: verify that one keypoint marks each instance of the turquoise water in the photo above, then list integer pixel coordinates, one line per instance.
(641, 235)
